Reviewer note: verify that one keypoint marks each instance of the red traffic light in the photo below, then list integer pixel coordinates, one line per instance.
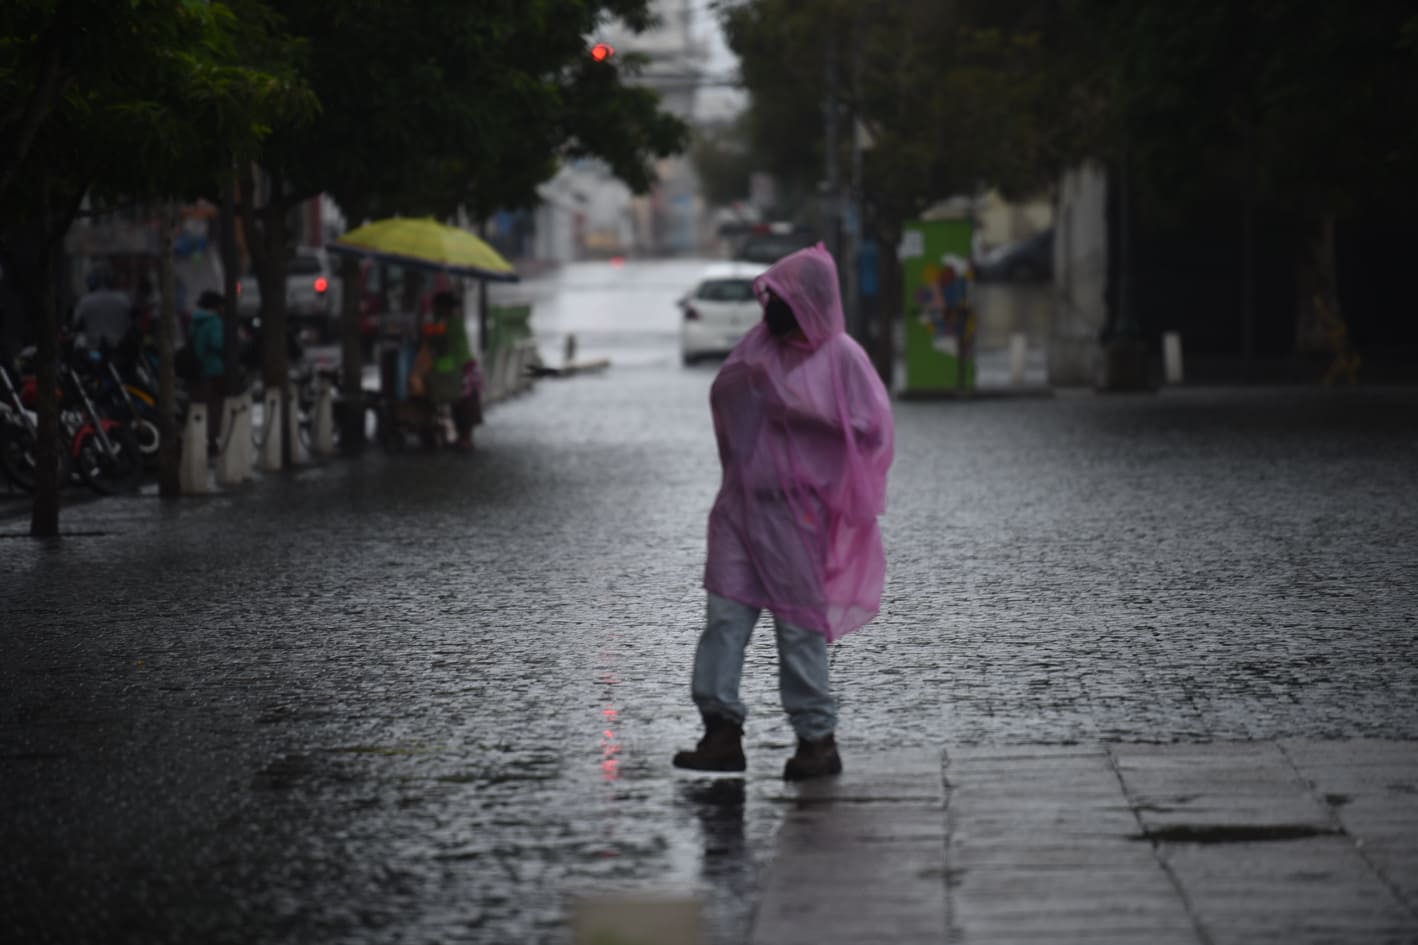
(602, 51)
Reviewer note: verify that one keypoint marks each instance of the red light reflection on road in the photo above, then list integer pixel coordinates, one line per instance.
(610, 742)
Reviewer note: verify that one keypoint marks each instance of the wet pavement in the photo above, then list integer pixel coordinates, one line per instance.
(1292, 842)
(432, 698)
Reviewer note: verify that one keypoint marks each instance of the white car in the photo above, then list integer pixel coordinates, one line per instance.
(718, 310)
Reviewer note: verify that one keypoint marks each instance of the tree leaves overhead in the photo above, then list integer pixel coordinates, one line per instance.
(359, 97)
(949, 101)
(146, 94)
(1300, 101)
(456, 102)
(1306, 103)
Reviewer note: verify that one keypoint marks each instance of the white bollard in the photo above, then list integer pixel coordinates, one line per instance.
(248, 445)
(232, 464)
(298, 454)
(271, 431)
(1172, 356)
(324, 422)
(524, 361)
(246, 450)
(192, 472)
(509, 371)
(497, 378)
(1018, 357)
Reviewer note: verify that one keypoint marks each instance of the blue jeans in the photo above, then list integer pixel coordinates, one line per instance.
(802, 669)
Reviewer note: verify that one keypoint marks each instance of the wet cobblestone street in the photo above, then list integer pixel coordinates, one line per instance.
(429, 698)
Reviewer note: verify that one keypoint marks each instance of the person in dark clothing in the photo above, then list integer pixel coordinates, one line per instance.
(445, 370)
(207, 336)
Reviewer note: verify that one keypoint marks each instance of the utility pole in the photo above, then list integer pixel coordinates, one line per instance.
(831, 184)
(856, 323)
(226, 221)
(1125, 353)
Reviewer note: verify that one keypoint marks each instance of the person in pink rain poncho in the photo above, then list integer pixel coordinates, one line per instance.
(805, 440)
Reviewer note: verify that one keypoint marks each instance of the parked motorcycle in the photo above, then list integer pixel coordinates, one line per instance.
(19, 432)
(104, 447)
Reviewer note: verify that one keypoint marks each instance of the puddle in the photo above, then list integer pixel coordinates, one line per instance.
(1221, 833)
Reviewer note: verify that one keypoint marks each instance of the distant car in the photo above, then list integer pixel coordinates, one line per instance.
(718, 310)
(1027, 260)
(773, 242)
(248, 297)
(313, 294)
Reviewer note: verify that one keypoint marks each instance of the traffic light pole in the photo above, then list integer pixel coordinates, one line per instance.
(831, 184)
(856, 325)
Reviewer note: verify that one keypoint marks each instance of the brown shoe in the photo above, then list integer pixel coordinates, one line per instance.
(721, 748)
(815, 759)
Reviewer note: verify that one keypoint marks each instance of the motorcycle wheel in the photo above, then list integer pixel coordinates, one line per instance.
(17, 456)
(149, 440)
(110, 473)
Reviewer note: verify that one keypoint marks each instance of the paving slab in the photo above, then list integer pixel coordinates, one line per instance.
(1112, 844)
(860, 858)
(1043, 847)
(1371, 786)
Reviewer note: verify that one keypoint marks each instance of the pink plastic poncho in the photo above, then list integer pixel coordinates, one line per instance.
(805, 440)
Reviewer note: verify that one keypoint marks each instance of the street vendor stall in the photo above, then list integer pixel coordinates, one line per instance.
(429, 377)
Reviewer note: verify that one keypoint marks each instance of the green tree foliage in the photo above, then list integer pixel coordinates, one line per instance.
(950, 101)
(724, 162)
(487, 100)
(442, 105)
(1300, 105)
(1308, 102)
(1299, 108)
(1301, 100)
(130, 101)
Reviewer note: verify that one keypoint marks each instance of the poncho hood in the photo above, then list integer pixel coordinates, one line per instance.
(807, 281)
(805, 439)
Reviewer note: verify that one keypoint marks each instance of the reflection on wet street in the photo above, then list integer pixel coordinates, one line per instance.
(433, 697)
(728, 865)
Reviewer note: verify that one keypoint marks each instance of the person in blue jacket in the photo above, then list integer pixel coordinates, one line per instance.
(207, 336)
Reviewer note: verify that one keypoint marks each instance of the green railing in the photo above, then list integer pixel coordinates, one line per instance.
(507, 326)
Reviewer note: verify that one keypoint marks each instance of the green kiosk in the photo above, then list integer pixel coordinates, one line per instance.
(939, 312)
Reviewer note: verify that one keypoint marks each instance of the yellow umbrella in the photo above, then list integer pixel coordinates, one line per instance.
(427, 244)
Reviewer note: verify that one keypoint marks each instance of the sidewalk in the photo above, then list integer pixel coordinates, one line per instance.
(1232, 842)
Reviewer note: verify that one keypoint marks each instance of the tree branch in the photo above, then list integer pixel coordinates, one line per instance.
(37, 108)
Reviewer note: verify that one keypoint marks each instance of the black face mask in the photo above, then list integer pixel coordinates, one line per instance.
(779, 317)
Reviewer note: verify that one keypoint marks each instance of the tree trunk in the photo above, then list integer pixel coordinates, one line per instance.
(169, 449)
(484, 312)
(271, 274)
(231, 264)
(267, 243)
(44, 515)
(1248, 282)
(1318, 286)
(351, 418)
(882, 334)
